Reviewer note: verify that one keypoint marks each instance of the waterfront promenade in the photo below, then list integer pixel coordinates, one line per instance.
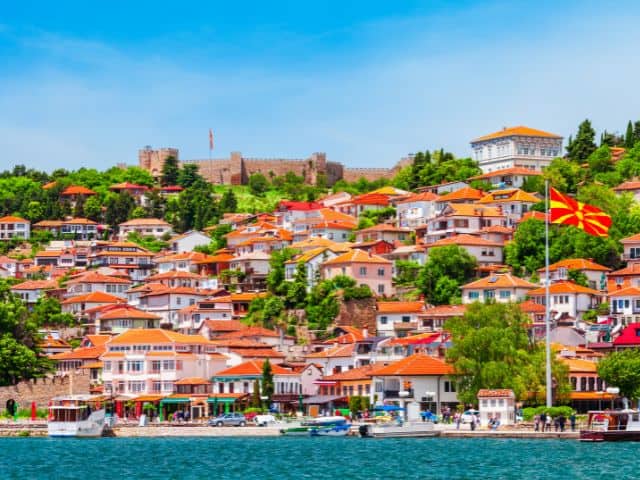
(38, 428)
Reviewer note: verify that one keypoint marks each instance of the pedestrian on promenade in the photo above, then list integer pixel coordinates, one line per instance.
(561, 421)
(572, 420)
(457, 418)
(472, 424)
(536, 423)
(543, 421)
(556, 424)
(548, 423)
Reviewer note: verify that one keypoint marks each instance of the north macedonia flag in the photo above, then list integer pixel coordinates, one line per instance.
(566, 210)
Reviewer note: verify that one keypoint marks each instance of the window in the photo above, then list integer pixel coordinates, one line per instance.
(381, 289)
(474, 295)
(134, 366)
(489, 294)
(505, 294)
(155, 365)
(383, 320)
(381, 272)
(406, 319)
(363, 270)
(107, 366)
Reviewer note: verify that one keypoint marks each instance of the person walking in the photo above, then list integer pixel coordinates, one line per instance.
(457, 418)
(572, 420)
(543, 421)
(561, 421)
(548, 423)
(536, 423)
(472, 424)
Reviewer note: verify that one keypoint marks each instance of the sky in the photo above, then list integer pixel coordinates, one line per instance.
(89, 83)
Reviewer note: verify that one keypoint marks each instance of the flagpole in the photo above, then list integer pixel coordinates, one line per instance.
(547, 299)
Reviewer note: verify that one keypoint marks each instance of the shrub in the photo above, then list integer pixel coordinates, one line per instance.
(529, 412)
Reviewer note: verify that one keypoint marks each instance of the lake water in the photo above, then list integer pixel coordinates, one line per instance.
(317, 458)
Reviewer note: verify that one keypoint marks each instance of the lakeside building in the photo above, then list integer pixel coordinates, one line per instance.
(516, 147)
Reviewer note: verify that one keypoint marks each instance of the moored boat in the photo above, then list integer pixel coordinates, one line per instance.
(612, 426)
(335, 426)
(394, 429)
(76, 416)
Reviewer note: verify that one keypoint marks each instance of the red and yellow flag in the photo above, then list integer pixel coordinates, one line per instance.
(566, 210)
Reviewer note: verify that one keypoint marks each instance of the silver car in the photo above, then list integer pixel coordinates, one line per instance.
(228, 420)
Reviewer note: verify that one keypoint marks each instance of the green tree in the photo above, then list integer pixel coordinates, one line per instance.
(579, 277)
(189, 175)
(491, 348)
(229, 202)
(296, 290)
(584, 143)
(600, 160)
(445, 266)
(47, 312)
(170, 171)
(267, 381)
(275, 278)
(629, 139)
(256, 401)
(258, 184)
(93, 208)
(622, 369)
(406, 272)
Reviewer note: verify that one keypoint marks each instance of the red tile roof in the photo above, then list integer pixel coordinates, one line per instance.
(253, 368)
(300, 206)
(630, 335)
(400, 307)
(519, 131)
(564, 287)
(501, 392)
(345, 350)
(500, 280)
(356, 256)
(419, 339)
(466, 193)
(529, 306)
(417, 364)
(576, 264)
(36, 285)
(626, 292)
(12, 219)
(508, 171)
(464, 239)
(360, 373)
(94, 297)
(77, 190)
(127, 311)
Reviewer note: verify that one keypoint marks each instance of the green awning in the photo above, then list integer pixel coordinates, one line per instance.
(221, 400)
(166, 401)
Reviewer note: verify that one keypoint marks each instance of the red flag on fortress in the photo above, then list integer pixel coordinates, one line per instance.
(566, 210)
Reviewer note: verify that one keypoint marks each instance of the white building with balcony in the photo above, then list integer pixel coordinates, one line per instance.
(516, 147)
(14, 227)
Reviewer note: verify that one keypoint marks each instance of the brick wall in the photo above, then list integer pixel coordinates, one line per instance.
(41, 390)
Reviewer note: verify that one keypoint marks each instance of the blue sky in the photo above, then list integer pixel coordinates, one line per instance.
(366, 82)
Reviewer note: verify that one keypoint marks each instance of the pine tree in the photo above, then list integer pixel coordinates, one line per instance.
(170, 171)
(636, 132)
(584, 143)
(629, 140)
(229, 202)
(267, 380)
(256, 402)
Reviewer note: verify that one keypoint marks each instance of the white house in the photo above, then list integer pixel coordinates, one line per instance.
(624, 305)
(568, 299)
(31, 290)
(484, 251)
(501, 287)
(498, 405)
(516, 147)
(187, 241)
(417, 379)
(559, 271)
(146, 227)
(394, 319)
(417, 209)
(513, 177)
(167, 302)
(14, 227)
(312, 260)
(459, 218)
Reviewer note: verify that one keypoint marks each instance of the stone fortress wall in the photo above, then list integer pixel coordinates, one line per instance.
(237, 169)
(41, 390)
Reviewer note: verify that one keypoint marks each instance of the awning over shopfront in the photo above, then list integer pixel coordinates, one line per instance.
(174, 400)
(322, 399)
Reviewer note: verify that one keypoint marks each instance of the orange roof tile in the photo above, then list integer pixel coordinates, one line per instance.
(359, 373)
(136, 222)
(420, 197)
(464, 239)
(416, 365)
(496, 392)
(512, 195)
(565, 287)
(257, 352)
(36, 285)
(508, 171)
(473, 210)
(529, 306)
(12, 219)
(128, 311)
(576, 264)
(77, 190)
(532, 214)
(500, 280)
(193, 381)
(400, 307)
(156, 336)
(254, 331)
(174, 274)
(253, 368)
(334, 352)
(578, 365)
(95, 277)
(224, 325)
(356, 256)
(81, 353)
(98, 339)
(445, 311)
(94, 297)
(519, 131)
(625, 292)
(625, 186)
(466, 193)
(419, 339)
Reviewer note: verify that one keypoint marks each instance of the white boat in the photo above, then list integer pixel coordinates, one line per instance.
(76, 416)
(335, 426)
(394, 429)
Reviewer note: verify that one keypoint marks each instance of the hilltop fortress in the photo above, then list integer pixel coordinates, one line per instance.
(237, 169)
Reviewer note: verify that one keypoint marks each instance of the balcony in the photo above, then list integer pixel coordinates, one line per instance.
(398, 393)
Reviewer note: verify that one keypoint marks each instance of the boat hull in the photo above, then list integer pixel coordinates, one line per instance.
(609, 436)
(89, 428)
(332, 431)
(295, 432)
(396, 431)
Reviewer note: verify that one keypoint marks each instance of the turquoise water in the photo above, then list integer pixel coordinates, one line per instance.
(317, 458)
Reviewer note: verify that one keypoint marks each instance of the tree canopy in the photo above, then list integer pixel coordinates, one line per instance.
(622, 369)
(447, 268)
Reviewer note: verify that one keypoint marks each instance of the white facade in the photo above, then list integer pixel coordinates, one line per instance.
(516, 147)
(14, 227)
(411, 214)
(188, 241)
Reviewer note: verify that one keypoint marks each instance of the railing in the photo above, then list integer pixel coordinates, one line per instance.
(396, 393)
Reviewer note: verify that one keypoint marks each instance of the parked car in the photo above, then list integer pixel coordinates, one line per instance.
(468, 415)
(228, 420)
(264, 420)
